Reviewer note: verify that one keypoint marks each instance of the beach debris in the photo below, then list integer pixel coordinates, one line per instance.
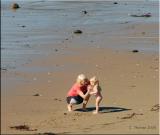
(155, 108)
(130, 115)
(135, 51)
(142, 15)
(37, 94)
(65, 113)
(115, 3)
(84, 11)
(15, 6)
(23, 127)
(78, 32)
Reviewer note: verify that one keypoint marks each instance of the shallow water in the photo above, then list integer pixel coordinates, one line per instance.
(42, 22)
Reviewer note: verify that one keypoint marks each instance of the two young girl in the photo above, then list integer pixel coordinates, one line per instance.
(81, 91)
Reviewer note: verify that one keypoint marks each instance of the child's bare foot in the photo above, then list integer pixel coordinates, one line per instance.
(95, 112)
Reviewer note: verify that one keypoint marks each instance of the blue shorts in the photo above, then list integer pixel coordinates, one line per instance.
(74, 100)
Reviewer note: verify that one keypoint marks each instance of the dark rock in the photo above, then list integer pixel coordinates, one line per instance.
(37, 94)
(143, 15)
(15, 6)
(115, 3)
(78, 32)
(135, 51)
(65, 113)
(85, 12)
(23, 26)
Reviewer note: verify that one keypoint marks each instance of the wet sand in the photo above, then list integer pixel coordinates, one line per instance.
(129, 83)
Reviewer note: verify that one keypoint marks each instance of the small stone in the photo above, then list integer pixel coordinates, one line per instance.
(135, 51)
(23, 26)
(65, 113)
(37, 95)
(15, 6)
(85, 12)
(78, 32)
(115, 3)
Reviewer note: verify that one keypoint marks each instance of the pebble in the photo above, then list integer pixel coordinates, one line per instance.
(15, 6)
(37, 94)
(135, 51)
(115, 3)
(85, 12)
(78, 32)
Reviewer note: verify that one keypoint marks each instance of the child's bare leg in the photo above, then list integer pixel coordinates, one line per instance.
(85, 102)
(98, 100)
(69, 106)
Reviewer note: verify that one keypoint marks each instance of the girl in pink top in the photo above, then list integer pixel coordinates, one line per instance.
(78, 93)
(95, 89)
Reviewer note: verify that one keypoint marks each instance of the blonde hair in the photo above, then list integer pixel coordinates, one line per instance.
(81, 78)
(94, 79)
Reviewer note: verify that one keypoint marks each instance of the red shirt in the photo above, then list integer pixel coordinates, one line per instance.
(76, 88)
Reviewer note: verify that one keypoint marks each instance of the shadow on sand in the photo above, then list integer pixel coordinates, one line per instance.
(103, 109)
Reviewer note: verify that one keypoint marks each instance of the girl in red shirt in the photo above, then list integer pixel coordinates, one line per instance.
(78, 93)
